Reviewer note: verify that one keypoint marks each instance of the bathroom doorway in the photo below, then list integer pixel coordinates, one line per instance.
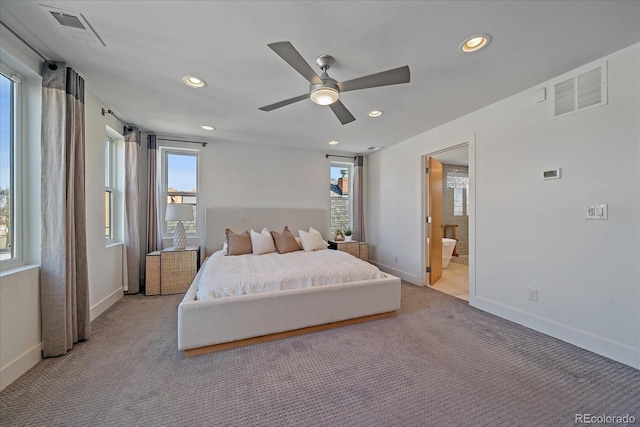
(447, 231)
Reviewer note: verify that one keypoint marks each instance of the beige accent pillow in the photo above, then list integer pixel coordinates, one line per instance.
(238, 244)
(285, 242)
(312, 241)
(262, 243)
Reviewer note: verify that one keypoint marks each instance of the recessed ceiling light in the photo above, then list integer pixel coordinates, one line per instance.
(208, 127)
(333, 142)
(194, 82)
(373, 148)
(475, 43)
(375, 113)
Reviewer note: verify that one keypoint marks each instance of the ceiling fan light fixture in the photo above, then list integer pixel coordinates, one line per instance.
(324, 95)
(474, 43)
(194, 82)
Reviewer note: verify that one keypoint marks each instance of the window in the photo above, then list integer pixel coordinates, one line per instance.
(180, 184)
(340, 195)
(9, 168)
(459, 182)
(109, 185)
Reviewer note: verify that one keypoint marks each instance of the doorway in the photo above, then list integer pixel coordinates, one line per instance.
(448, 208)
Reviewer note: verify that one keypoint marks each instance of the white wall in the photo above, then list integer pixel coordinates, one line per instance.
(251, 175)
(530, 232)
(104, 261)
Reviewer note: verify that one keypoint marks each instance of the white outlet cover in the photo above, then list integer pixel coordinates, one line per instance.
(599, 212)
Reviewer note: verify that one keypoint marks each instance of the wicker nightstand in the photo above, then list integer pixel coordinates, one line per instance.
(178, 267)
(357, 249)
(152, 274)
(171, 271)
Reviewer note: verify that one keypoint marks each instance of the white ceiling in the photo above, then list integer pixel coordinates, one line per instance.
(150, 46)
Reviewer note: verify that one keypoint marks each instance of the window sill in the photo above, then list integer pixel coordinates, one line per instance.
(114, 244)
(17, 269)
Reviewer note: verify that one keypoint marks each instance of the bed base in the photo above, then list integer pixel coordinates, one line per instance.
(222, 323)
(287, 334)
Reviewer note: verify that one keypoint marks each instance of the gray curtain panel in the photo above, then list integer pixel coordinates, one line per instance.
(64, 281)
(131, 208)
(358, 199)
(154, 236)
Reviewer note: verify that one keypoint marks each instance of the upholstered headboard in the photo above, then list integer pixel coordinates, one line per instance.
(241, 219)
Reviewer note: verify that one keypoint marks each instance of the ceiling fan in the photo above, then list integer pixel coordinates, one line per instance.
(323, 90)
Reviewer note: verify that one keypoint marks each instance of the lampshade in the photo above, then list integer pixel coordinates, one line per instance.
(325, 96)
(179, 212)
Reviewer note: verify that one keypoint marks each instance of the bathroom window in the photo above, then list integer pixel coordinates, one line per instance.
(459, 182)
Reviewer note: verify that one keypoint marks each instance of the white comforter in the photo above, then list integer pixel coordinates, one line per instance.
(223, 276)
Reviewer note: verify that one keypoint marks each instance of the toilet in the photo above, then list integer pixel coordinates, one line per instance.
(447, 251)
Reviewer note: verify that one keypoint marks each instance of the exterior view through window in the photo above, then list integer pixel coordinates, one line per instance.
(340, 195)
(181, 186)
(7, 161)
(109, 185)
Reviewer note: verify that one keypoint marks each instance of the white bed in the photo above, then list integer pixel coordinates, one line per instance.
(232, 321)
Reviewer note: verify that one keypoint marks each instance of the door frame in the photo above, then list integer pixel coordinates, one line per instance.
(470, 142)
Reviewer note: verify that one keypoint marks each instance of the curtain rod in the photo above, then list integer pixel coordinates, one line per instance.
(24, 41)
(335, 155)
(105, 112)
(204, 144)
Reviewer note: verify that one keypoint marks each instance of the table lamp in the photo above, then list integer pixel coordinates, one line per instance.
(179, 212)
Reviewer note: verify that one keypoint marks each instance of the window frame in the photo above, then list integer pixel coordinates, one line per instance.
(116, 173)
(17, 170)
(110, 182)
(350, 167)
(165, 152)
(464, 193)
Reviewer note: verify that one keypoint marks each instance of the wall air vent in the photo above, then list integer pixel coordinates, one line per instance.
(74, 24)
(585, 89)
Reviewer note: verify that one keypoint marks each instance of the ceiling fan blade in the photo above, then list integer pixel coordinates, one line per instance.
(384, 78)
(291, 56)
(285, 102)
(341, 112)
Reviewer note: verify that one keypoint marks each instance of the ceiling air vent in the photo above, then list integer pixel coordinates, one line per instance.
(580, 92)
(74, 25)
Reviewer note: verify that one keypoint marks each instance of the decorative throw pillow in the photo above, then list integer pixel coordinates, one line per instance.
(238, 244)
(262, 243)
(313, 230)
(285, 242)
(312, 241)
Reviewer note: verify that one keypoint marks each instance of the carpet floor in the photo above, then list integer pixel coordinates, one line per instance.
(439, 362)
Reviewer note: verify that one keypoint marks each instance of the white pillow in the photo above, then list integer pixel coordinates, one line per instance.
(262, 243)
(311, 241)
(313, 230)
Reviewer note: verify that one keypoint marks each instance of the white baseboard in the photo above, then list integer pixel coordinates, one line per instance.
(612, 350)
(411, 278)
(107, 302)
(14, 369)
